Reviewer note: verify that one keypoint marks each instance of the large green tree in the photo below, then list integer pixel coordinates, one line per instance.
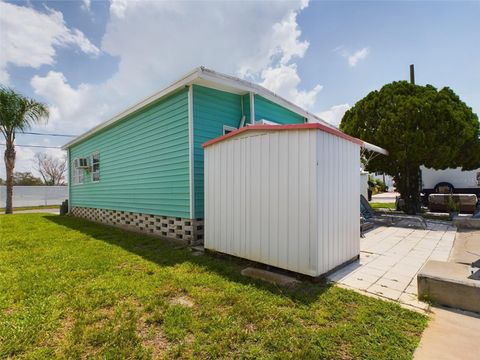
(418, 125)
(17, 113)
(26, 178)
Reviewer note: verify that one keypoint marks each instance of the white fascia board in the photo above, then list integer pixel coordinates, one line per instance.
(186, 80)
(374, 148)
(214, 77)
(190, 152)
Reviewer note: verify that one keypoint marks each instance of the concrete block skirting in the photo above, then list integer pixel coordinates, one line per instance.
(176, 228)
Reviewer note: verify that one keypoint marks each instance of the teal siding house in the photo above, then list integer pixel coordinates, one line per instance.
(143, 169)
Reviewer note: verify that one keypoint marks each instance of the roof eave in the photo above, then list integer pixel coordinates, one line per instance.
(187, 79)
(375, 148)
(214, 77)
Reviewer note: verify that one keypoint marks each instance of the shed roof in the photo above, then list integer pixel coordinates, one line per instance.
(319, 126)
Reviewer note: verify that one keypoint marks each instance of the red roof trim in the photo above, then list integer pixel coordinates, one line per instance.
(307, 126)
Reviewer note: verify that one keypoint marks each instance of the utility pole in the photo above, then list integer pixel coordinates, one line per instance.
(412, 74)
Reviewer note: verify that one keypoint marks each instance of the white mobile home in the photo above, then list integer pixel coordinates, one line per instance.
(285, 196)
(451, 180)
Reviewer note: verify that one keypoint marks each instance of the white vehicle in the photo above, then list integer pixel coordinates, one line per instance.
(450, 180)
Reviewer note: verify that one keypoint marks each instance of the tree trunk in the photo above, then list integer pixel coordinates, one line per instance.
(409, 187)
(9, 167)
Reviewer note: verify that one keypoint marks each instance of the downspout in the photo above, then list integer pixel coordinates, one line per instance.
(252, 108)
(242, 119)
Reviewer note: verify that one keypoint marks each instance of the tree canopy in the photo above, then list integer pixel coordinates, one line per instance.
(53, 170)
(26, 178)
(418, 125)
(17, 113)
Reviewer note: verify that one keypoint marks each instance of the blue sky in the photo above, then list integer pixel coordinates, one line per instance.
(91, 59)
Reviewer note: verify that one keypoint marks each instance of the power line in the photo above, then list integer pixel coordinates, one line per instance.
(44, 134)
(36, 146)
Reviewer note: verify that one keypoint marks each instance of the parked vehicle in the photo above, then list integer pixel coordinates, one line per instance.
(449, 181)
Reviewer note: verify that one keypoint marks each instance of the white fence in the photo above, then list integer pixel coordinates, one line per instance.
(35, 195)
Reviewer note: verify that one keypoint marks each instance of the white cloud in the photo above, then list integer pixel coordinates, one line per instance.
(235, 38)
(72, 110)
(274, 69)
(335, 114)
(86, 5)
(357, 56)
(157, 42)
(284, 80)
(257, 40)
(29, 38)
(282, 45)
(352, 58)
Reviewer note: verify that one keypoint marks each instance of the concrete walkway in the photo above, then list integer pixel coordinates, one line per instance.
(451, 335)
(467, 247)
(386, 197)
(390, 258)
(34, 211)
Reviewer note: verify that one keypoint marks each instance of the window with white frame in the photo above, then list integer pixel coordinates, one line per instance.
(77, 176)
(228, 129)
(95, 167)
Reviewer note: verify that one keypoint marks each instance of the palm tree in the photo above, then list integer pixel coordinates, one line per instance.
(17, 113)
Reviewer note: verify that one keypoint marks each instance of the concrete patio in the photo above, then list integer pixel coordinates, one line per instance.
(391, 257)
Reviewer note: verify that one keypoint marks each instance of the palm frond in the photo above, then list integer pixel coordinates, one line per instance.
(19, 113)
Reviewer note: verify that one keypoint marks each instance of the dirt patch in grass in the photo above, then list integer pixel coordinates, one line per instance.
(250, 328)
(183, 300)
(9, 311)
(152, 337)
(131, 266)
(66, 325)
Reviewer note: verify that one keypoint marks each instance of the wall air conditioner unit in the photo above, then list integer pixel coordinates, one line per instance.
(81, 163)
(265, 122)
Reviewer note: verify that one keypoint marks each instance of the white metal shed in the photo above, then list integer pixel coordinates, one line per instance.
(284, 195)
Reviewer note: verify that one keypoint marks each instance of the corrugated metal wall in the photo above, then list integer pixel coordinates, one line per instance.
(268, 201)
(338, 200)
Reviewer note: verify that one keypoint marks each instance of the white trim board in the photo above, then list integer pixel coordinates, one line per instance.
(205, 77)
(191, 164)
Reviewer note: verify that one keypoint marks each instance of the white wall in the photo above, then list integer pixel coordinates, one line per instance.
(457, 177)
(338, 201)
(289, 199)
(35, 195)
(364, 184)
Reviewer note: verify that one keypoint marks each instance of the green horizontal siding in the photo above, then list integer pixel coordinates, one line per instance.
(211, 110)
(267, 110)
(246, 108)
(144, 162)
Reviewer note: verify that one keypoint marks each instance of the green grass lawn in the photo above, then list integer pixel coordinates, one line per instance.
(74, 289)
(380, 205)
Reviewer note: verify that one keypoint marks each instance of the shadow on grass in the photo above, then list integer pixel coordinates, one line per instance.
(169, 253)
